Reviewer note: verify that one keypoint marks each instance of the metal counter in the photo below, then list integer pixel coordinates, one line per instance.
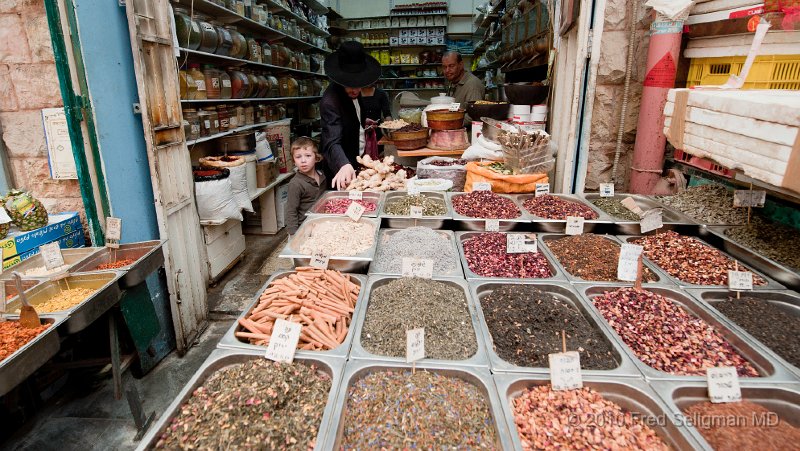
(386, 234)
(402, 222)
(558, 275)
(148, 256)
(71, 257)
(345, 263)
(479, 224)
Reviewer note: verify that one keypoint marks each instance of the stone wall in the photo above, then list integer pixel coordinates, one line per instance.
(28, 83)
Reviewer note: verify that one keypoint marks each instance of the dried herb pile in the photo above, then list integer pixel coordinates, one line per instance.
(773, 240)
(616, 209)
(591, 257)
(709, 204)
(554, 207)
(401, 206)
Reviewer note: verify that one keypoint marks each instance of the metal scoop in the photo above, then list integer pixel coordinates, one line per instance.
(28, 317)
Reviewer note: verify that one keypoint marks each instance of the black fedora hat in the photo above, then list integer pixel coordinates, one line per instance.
(351, 66)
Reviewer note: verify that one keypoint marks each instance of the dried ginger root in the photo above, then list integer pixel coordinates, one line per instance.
(378, 175)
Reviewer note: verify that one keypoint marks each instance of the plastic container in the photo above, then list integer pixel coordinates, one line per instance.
(209, 39)
(224, 118)
(213, 117)
(200, 91)
(213, 84)
(767, 72)
(186, 29)
(239, 43)
(204, 119)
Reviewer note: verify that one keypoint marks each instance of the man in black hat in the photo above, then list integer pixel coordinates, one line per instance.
(350, 68)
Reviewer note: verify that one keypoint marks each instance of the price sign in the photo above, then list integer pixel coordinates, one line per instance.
(748, 198)
(565, 370)
(630, 204)
(723, 384)
(355, 195)
(417, 267)
(2, 298)
(606, 190)
(740, 280)
(651, 220)
(519, 243)
(492, 225)
(455, 106)
(542, 189)
(354, 211)
(416, 212)
(575, 225)
(319, 260)
(628, 265)
(482, 186)
(113, 232)
(283, 341)
(51, 253)
(415, 345)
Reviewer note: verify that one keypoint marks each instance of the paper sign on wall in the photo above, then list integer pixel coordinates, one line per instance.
(283, 341)
(565, 371)
(519, 243)
(723, 384)
(59, 145)
(415, 345)
(628, 265)
(113, 232)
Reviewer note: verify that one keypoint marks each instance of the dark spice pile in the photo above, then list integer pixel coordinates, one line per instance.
(773, 240)
(735, 426)
(554, 207)
(591, 257)
(526, 325)
(688, 259)
(339, 206)
(615, 208)
(486, 256)
(13, 336)
(485, 204)
(708, 204)
(400, 410)
(255, 405)
(665, 336)
(413, 127)
(770, 324)
(410, 303)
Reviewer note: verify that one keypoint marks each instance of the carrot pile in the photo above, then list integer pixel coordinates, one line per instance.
(321, 300)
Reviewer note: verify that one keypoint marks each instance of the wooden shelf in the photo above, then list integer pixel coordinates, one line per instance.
(260, 99)
(390, 47)
(414, 78)
(413, 89)
(357, 30)
(196, 54)
(276, 7)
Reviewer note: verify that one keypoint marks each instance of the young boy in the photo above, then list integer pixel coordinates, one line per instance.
(306, 186)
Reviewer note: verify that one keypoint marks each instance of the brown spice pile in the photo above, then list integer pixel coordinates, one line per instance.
(591, 257)
(742, 425)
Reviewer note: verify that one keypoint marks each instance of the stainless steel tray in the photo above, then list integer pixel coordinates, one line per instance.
(23, 362)
(11, 287)
(715, 235)
(632, 395)
(386, 234)
(770, 285)
(221, 358)
(344, 263)
(479, 224)
(106, 295)
(770, 371)
(358, 352)
(559, 225)
(564, 292)
(661, 278)
(786, 300)
(479, 377)
(672, 219)
(558, 275)
(231, 341)
(72, 257)
(377, 198)
(148, 256)
(402, 222)
(783, 400)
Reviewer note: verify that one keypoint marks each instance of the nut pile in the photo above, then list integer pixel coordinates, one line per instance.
(616, 209)
(339, 206)
(742, 425)
(665, 336)
(485, 204)
(486, 256)
(13, 336)
(578, 419)
(401, 206)
(686, 258)
(64, 300)
(709, 204)
(416, 242)
(337, 238)
(117, 264)
(773, 240)
(591, 257)
(554, 207)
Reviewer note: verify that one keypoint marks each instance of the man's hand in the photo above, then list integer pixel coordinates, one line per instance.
(343, 178)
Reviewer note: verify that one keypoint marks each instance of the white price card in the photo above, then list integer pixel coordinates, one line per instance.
(521, 243)
(606, 190)
(354, 211)
(565, 370)
(651, 220)
(723, 384)
(482, 186)
(283, 341)
(355, 195)
(628, 265)
(415, 345)
(455, 106)
(319, 260)
(416, 212)
(575, 225)
(492, 225)
(51, 253)
(2, 297)
(749, 198)
(740, 280)
(542, 189)
(417, 267)
(631, 205)
(113, 232)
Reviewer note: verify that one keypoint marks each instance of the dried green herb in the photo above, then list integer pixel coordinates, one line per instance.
(615, 208)
(401, 206)
(709, 204)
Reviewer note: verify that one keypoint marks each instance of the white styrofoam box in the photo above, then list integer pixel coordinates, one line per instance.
(213, 232)
(432, 40)
(741, 11)
(224, 251)
(518, 117)
(422, 33)
(703, 7)
(782, 107)
(754, 128)
(412, 33)
(539, 109)
(404, 32)
(763, 149)
(404, 41)
(440, 40)
(281, 197)
(521, 109)
(439, 32)
(538, 117)
(775, 43)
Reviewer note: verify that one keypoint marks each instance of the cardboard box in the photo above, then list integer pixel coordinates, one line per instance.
(432, 40)
(440, 40)
(278, 136)
(422, 33)
(394, 41)
(440, 32)
(413, 33)
(404, 41)
(281, 198)
(72, 240)
(404, 33)
(59, 225)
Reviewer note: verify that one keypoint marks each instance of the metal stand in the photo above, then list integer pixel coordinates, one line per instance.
(118, 367)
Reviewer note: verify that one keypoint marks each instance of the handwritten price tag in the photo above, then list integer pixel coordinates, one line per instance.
(518, 243)
(51, 253)
(651, 220)
(455, 106)
(355, 195)
(565, 371)
(542, 189)
(417, 267)
(482, 186)
(723, 384)
(747, 198)
(575, 225)
(415, 345)
(354, 211)
(606, 190)
(416, 212)
(628, 265)
(740, 280)
(113, 232)
(283, 341)
(319, 260)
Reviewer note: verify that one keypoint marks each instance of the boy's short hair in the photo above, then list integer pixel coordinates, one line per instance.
(305, 141)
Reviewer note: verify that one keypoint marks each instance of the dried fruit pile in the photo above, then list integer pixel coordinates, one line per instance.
(117, 264)
(485, 204)
(486, 256)
(554, 207)
(742, 425)
(665, 336)
(64, 300)
(340, 206)
(13, 336)
(591, 257)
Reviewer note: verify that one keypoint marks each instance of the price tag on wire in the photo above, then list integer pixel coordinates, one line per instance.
(492, 225)
(606, 190)
(575, 225)
(113, 232)
(565, 371)
(354, 211)
(283, 341)
(51, 253)
(521, 243)
(740, 280)
(482, 186)
(723, 384)
(652, 220)
(628, 264)
(416, 212)
(749, 198)
(417, 267)
(355, 195)
(319, 260)
(415, 345)
(542, 189)
(455, 106)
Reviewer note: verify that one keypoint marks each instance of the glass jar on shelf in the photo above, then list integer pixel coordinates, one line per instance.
(261, 114)
(224, 119)
(255, 50)
(185, 82)
(263, 86)
(187, 30)
(204, 119)
(266, 53)
(259, 14)
(225, 40)
(240, 120)
(214, 118)
(239, 48)
(199, 78)
(190, 116)
(251, 77)
(273, 86)
(288, 86)
(213, 84)
(239, 83)
(249, 114)
(225, 91)
(281, 111)
(209, 39)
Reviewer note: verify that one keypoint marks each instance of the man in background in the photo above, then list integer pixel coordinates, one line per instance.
(462, 85)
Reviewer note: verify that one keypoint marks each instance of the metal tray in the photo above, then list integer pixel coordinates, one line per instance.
(377, 198)
(148, 256)
(478, 224)
(385, 235)
(24, 361)
(106, 295)
(672, 219)
(478, 377)
(603, 221)
(771, 284)
(770, 370)
(715, 235)
(221, 358)
(358, 352)
(72, 257)
(402, 222)
(632, 395)
(344, 263)
(678, 396)
(564, 292)
(661, 278)
(558, 275)
(231, 341)
(784, 299)
(11, 287)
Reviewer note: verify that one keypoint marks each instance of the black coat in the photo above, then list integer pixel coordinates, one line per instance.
(340, 128)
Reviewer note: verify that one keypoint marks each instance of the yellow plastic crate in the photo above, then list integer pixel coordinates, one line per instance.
(768, 72)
